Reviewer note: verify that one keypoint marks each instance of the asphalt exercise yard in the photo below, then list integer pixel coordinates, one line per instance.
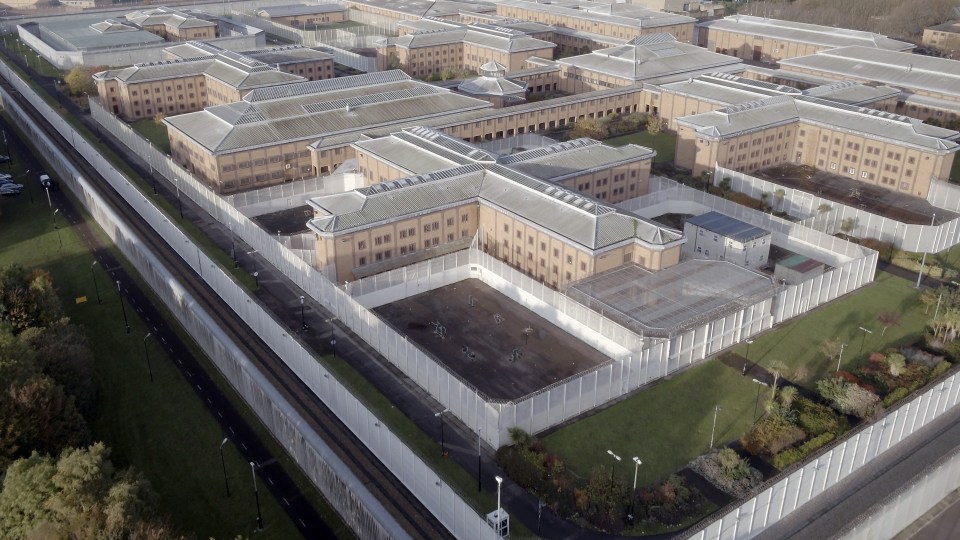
(495, 344)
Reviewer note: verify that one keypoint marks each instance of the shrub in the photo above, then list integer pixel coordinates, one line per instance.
(817, 419)
(668, 503)
(859, 402)
(770, 435)
(952, 350)
(939, 370)
(793, 455)
(743, 480)
(896, 395)
(885, 250)
(518, 468)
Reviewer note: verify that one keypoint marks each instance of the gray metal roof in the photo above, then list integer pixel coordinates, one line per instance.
(559, 161)
(501, 39)
(638, 17)
(825, 36)
(652, 57)
(318, 109)
(898, 69)
(670, 301)
(77, 34)
(426, 8)
(492, 86)
(761, 114)
(728, 227)
(294, 10)
(580, 219)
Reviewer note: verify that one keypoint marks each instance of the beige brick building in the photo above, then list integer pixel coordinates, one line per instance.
(405, 10)
(760, 39)
(718, 90)
(621, 21)
(945, 37)
(201, 75)
(650, 58)
(884, 149)
(929, 87)
(456, 46)
(172, 24)
(303, 15)
(550, 233)
(610, 174)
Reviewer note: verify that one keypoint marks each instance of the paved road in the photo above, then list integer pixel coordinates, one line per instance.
(830, 512)
(943, 523)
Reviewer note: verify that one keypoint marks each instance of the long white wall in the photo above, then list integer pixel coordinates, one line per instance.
(778, 500)
(359, 508)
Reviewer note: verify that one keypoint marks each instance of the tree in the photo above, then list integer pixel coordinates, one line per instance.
(848, 225)
(725, 186)
(653, 125)
(16, 360)
(592, 128)
(63, 352)
(80, 495)
(787, 395)
(27, 298)
(80, 80)
(158, 119)
(520, 438)
(824, 207)
(38, 416)
(779, 195)
(896, 363)
(776, 368)
(393, 62)
(831, 348)
(887, 319)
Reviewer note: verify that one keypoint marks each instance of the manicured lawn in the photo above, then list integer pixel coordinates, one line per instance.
(666, 425)
(669, 424)
(153, 132)
(797, 344)
(36, 61)
(664, 143)
(161, 428)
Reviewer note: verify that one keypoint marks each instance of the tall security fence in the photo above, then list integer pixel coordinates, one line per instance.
(359, 508)
(910, 502)
(857, 221)
(796, 487)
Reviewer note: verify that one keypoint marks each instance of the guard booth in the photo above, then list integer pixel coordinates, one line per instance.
(499, 520)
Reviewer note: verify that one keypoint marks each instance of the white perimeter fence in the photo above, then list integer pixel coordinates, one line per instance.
(910, 237)
(812, 478)
(910, 502)
(359, 508)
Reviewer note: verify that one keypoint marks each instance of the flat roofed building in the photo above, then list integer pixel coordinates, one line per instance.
(880, 148)
(182, 86)
(460, 47)
(262, 140)
(929, 87)
(623, 21)
(720, 237)
(797, 269)
(611, 174)
(653, 58)
(945, 37)
(550, 233)
(173, 24)
(717, 90)
(304, 14)
(771, 40)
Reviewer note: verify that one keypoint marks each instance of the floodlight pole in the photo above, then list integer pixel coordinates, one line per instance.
(840, 357)
(924, 259)
(256, 494)
(749, 342)
(95, 286)
(713, 430)
(864, 340)
(146, 354)
(223, 464)
(616, 457)
(123, 308)
(443, 449)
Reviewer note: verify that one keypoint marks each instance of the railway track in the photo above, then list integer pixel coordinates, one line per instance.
(415, 519)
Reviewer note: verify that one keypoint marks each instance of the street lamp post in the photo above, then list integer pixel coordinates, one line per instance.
(864, 340)
(499, 521)
(146, 354)
(840, 356)
(179, 202)
(923, 261)
(49, 202)
(540, 505)
(57, 228)
(256, 274)
(123, 308)
(443, 449)
(633, 494)
(223, 464)
(713, 430)
(256, 495)
(333, 346)
(95, 286)
(27, 183)
(303, 321)
(749, 342)
(757, 402)
(616, 457)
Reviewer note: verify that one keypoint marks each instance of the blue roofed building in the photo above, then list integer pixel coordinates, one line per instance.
(720, 237)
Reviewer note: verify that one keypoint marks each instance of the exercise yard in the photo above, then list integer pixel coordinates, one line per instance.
(479, 334)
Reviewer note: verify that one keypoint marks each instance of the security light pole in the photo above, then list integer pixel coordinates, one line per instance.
(256, 495)
(95, 286)
(223, 465)
(840, 356)
(713, 430)
(616, 457)
(146, 354)
(443, 449)
(123, 308)
(864, 340)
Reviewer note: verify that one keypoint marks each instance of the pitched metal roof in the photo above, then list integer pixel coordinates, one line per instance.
(778, 110)
(294, 10)
(898, 69)
(638, 17)
(652, 57)
(825, 36)
(496, 38)
(728, 227)
(559, 161)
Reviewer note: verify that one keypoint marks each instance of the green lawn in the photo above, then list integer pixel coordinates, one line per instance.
(161, 428)
(797, 344)
(36, 61)
(666, 425)
(153, 132)
(664, 143)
